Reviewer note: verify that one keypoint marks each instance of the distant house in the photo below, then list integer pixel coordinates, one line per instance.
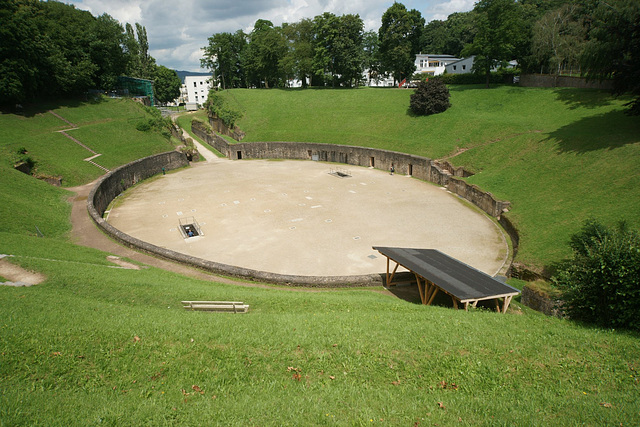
(195, 89)
(433, 65)
(465, 65)
(461, 66)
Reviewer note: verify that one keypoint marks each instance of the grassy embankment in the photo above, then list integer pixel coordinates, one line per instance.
(559, 155)
(95, 344)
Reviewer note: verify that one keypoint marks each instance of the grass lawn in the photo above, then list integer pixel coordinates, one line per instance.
(107, 126)
(97, 344)
(559, 155)
(101, 345)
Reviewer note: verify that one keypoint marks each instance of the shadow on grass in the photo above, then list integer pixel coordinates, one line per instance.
(583, 98)
(31, 110)
(606, 131)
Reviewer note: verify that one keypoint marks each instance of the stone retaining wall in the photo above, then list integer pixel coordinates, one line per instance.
(117, 181)
(406, 164)
(541, 302)
(547, 80)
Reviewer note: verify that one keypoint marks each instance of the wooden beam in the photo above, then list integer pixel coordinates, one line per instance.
(505, 305)
(392, 274)
(421, 290)
(433, 294)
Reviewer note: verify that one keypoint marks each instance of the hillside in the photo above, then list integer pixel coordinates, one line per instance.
(559, 155)
(100, 344)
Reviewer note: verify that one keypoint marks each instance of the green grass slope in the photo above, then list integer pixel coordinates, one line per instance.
(559, 155)
(107, 126)
(101, 345)
(96, 344)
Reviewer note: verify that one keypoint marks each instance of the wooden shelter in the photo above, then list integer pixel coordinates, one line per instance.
(435, 271)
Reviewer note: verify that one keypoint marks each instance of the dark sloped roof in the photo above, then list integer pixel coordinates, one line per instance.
(452, 276)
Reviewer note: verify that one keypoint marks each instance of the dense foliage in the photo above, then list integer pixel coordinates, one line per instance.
(216, 106)
(50, 49)
(399, 38)
(601, 283)
(613, 50)
(430, 97)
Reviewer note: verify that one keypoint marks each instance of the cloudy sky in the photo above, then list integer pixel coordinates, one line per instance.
(177, 30)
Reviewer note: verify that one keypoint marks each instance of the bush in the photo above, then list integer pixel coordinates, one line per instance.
(601, 284)
(430, 97)
(217, 107)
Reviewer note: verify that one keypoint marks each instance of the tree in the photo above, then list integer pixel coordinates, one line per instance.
(430, 97)
(267, 45)
(348, 51)
(499, 26)
(225, 56)
(50, 49)
(450, 36)
(558, 38)
(399, 37)
(613, 49)
(166, 84)
(600, 283)
(371, 55)
(299, 56)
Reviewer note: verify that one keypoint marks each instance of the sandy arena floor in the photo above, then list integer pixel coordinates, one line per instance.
(294, 217)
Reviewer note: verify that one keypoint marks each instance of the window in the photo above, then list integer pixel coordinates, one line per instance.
(200, 83)
(196, 97)
(464, 67)
(434, 64)
(454, 67)
(423, 63)
(195, 84)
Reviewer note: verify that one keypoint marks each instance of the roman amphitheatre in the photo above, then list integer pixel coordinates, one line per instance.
(304, 218)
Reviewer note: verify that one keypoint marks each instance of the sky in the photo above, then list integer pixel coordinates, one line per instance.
(178, 30)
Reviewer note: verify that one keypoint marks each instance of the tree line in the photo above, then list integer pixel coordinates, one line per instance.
(594, 38)
(50, 49)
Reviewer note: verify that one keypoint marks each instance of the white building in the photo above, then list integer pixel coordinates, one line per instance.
(433, 65)
(465, 65)
(461, 66)
(196, 89)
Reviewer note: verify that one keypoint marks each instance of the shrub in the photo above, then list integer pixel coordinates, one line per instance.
(144, 125)
(601, 284)
(217, 107)
(430, 97)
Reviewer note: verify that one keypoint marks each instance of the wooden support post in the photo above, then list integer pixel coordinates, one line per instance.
(433, 293)
(387, 278)
(505, 304)
(422, 290)
(455, 302)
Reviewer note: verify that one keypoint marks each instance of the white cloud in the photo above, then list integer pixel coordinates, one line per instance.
(177, 30)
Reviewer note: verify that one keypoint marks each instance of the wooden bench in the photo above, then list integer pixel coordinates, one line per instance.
(223, 306)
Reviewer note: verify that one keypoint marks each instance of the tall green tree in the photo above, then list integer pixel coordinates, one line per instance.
(267, 45)
(166, 84)
(371, 55)
(225, 57)
(50, 49)
(499, 27)
(613, 48)
(559, 38)
(302, 49)
(399, 37)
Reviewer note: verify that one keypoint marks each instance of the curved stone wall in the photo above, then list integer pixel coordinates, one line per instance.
(117, 181)
(406, 164)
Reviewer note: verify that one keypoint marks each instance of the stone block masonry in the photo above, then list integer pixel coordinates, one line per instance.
(405, 164)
